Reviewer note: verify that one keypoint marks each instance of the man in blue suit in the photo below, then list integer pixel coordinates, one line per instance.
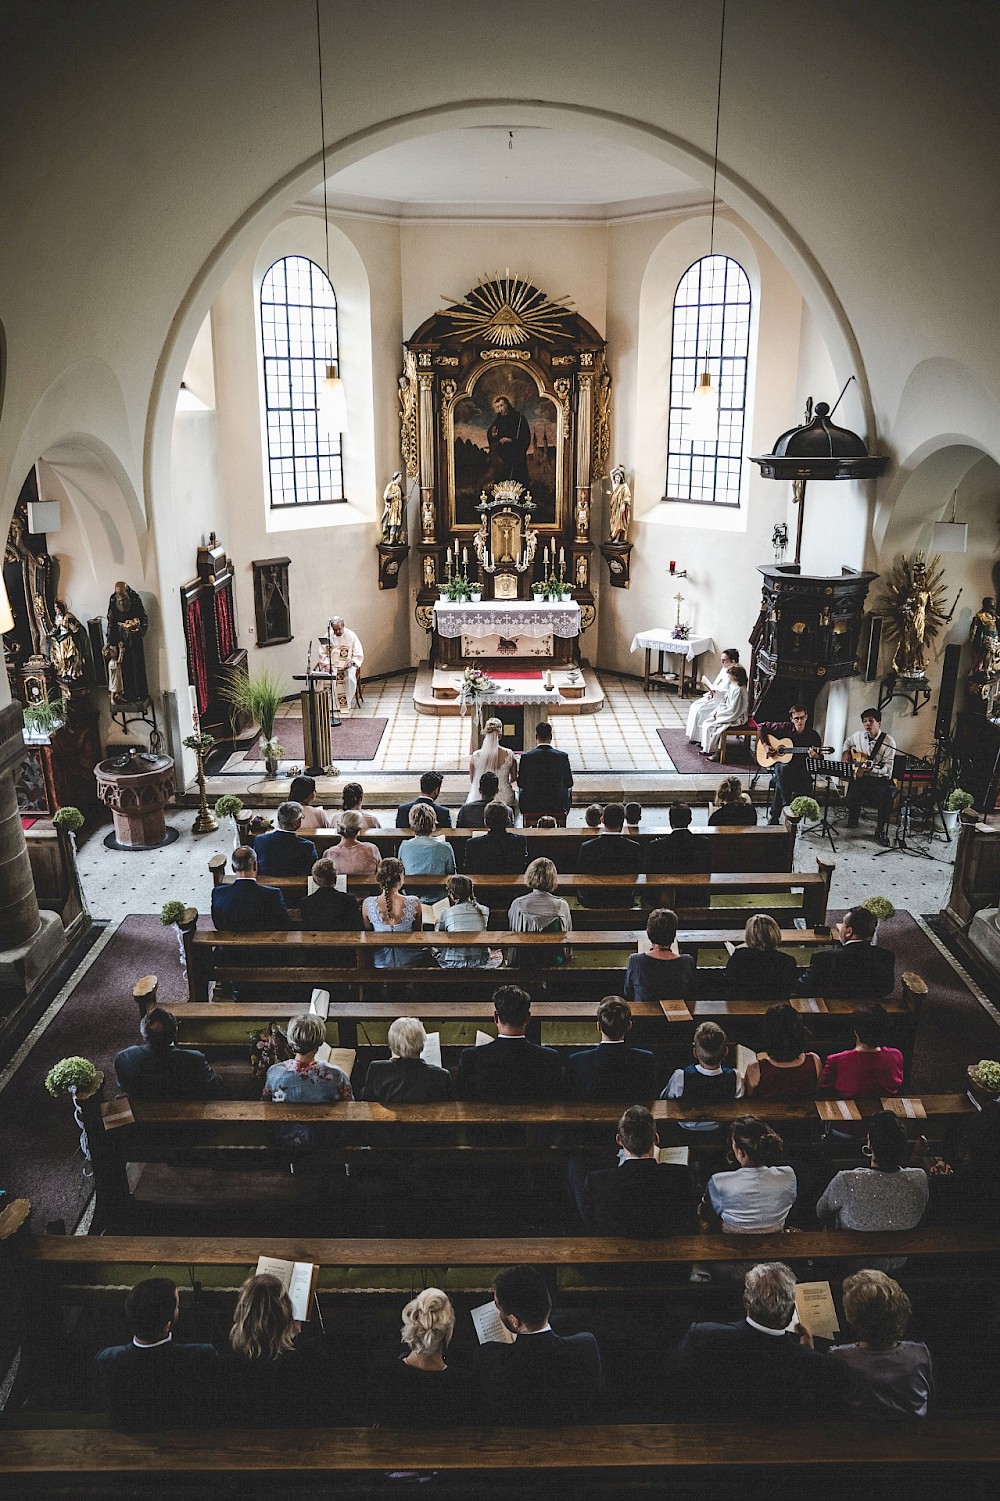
(157, 1069)
(282, 852)
(154, 1382)
(245, 906)
(510, 1070)
(545, 780)
(543, 1377)
(612, 1072)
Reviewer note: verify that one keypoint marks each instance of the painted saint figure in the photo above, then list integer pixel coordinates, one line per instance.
(985, 639)
(127, 625)
(909, 657)
(508, 437)
(67, 651)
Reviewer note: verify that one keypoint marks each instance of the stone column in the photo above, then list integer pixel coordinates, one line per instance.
(32, 941)
(19, 917)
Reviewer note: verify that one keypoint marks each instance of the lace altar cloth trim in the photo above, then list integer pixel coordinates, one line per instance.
(518, 618)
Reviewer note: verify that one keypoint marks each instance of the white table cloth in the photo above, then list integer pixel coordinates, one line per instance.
(515, 617)
(674, 646)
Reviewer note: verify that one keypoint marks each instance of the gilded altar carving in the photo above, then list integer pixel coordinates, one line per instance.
(562, 389)
(602, 425)
(408, 416)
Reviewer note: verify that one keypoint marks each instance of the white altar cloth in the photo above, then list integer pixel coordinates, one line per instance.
(674, 646)
(501, 617)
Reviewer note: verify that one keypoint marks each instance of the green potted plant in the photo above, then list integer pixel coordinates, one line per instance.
(176, 915)
(984, 1079)
(259, 696)
(804, 808)
(42, 716)
(954, 806)
(881, 909)
(231, 806)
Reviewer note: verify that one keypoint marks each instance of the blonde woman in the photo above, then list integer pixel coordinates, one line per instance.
(539, 909)
(276, 1371)
(492, 756)
(353, 856)
(393, 912)
(897, 1373)
(420, 1389)
(758, 970)
(425, 855)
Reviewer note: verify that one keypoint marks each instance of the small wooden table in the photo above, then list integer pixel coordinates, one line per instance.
(666, 644)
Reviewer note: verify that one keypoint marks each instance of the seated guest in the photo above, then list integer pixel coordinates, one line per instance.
(680, 852)
(660, 975)
(303, 792)
(869, 1068)
(542, 1378)
(464, 915)
(157, 1069)
(303, 1080)
(612, 1071)
(153, 1382)
(758, 1368)
(756, 1196)
(393, 912)
(244, 906)
(640, 1197)
(420, 1389)
(706, 1081)
(856, 969)
(610, 854)
(545, 780)
(710, 701)
(430, 787)
(539, 910)
(510, 1070)
(732, 806)
(896, 1374)
(404, 1078)
(594, 816)
(729, 712)
(759, 970)
(546, 821)
(353, 856)
(423, 855)
(277, 1371)
(785, 1070)
(352, 798)
(327, 910)
(884, 1196)
(282, 852)
(498, 852)
(473, 815)
(633, 817)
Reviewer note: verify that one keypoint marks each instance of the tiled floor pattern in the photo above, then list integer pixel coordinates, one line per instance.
(622, 737)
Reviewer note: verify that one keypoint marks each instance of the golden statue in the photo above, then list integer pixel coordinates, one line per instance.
(620, 507)
(392, 510)
(914, 605)
(67, 652)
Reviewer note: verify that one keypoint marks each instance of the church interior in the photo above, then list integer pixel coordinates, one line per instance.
(396, 396)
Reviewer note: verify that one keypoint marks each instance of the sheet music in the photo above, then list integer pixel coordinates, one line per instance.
(488, 1326)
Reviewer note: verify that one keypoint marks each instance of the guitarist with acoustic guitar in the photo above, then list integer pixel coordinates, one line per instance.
(872, 752)
(784, 746)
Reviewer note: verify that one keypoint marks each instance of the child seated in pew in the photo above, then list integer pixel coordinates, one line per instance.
(633, 817)
(708, 1080)
(303, 792)
(465, 915)
(593, 816)
(546, 821)
(662, 974)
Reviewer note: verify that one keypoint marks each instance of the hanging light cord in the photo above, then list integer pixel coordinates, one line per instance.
(718, 115)
(322, 134)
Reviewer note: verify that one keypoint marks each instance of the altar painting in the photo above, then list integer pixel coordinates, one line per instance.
(505, 428)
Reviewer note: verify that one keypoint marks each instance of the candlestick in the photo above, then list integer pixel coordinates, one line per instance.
(465, 560)
(545, 560)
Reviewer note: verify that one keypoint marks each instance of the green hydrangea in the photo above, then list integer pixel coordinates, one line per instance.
(988, 1074)
(70, 1073)
(68, 818)
(805, 807)
(228, 806)
(880, 907)
(171, 912)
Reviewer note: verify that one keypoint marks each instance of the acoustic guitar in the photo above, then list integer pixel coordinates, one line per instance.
(773, 752)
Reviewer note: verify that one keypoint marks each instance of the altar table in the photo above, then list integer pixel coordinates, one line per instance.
(504, 629)
(666, 644)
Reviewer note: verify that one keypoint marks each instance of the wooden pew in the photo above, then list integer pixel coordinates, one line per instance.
(957, 1448)
(305, 957)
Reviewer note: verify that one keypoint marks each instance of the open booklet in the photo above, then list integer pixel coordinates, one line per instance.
(339, 885)
(319, 1004)
(431, 911)
(431, 1050)
(339, 1057)
(298, 1278)
(744, 1058)
(644, 945)
(815, 1309)
(679, 1155)
(488, 1326)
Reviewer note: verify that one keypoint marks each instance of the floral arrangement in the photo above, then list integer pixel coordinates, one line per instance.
(457, 588)
(260, 825)
(228, 806)
(201, 744)
(805, 807)
(171, 912)
(987, 1074)
(475, 682)
(71, 1073)
(68, 818)
(880, 907)
(682, 631)
(958, 801)
(273, 750)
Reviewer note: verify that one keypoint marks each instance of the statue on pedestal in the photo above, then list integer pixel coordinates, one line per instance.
(620, 506)
(392, 510)
(67, 648)
(985, 639)
(914, 604)
(127, 625)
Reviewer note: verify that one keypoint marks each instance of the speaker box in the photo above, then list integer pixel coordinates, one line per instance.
(946, 693)
(871, 646)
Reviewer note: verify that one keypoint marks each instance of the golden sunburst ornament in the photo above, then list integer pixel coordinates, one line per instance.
(913, 601)
(507, 311)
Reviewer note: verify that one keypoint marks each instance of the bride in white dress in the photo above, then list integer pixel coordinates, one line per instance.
(492, 756)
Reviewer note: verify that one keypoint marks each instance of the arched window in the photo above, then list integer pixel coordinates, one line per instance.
(298, 316)
(711, 332)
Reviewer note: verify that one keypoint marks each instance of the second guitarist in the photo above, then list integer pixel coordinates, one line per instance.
(792, 780)
(875, 751)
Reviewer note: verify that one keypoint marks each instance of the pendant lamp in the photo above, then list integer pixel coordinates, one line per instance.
(703, 409)
(331, 402)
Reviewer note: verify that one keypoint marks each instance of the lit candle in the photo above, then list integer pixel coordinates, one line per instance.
(562, 557)
(673, 566)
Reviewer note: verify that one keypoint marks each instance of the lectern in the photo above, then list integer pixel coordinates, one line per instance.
(317, 713)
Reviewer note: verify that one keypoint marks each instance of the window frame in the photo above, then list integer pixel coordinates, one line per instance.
(286, 363)
(719, 364)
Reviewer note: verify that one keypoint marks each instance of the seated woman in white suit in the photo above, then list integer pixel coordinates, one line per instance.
(731, 710)
(710, 701)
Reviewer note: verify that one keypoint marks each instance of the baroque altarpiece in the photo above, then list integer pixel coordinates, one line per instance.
(505, 425)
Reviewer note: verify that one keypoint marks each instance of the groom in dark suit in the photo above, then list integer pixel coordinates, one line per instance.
(545, 780)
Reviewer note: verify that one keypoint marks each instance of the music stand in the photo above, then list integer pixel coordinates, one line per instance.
(818, 766)
(912, 769)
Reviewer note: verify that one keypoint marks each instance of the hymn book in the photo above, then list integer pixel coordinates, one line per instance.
(490, 1329)
(431, 911)
(815, 1309)
(431, 1050)
(298, 1278)
(340, 1057)
(319, 1004)
(678, 1155)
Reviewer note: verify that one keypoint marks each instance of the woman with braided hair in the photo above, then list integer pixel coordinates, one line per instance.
(392, 911)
